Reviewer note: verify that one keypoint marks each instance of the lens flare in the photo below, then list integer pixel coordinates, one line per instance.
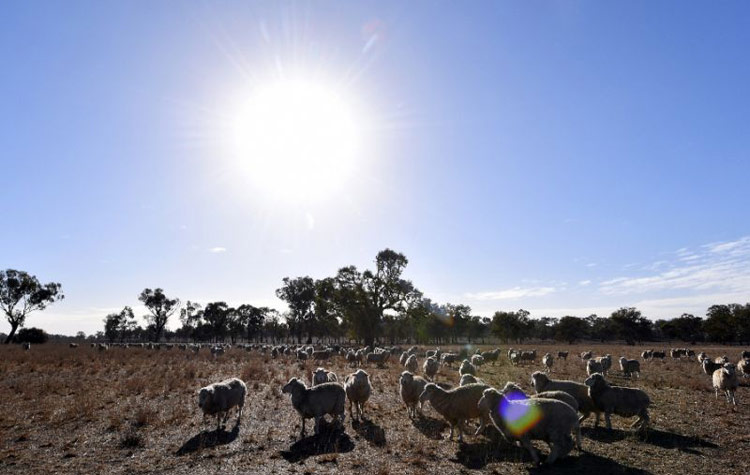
(519, 418)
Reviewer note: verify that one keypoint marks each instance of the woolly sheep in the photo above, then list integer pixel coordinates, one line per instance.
(659, 354)
(745, 355)
(548, 360)
(647, 354)
(412, 364)
(477, 360)
(74, 345)
(358, 390)
(456, 405)
(351, 358)
(26, 345)
(725, 379)
(709, 366)
(562, 355)
(431, 367)
(321, 375)
(586, 355)
(557, 421)
(722, 359)
(542, 383)
(410, 388)
(449, 358)
(321, 355)
(528, 356)
(744, 367)
(593, 366)
(218, 398)
(378, 358)
(217, 350)
(515, 358)
(702, 356)
(316, 402)
(559, 395)
(403, 358)
(467, 368)
(468, 379)
(625, 402)
(629, 367)
(491, 355)
(606, 362)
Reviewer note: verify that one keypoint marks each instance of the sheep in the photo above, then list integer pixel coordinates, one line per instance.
(378, 358)
(542, 383)
(302, 355)
(412, 364)
(456, 405)
(491, 355)
(709, 366)
(351, 358)
(467, 368)
(219, 398)
(744, 367)
(358, 390)
(469, 379)
(316, 402)
(449, 358)
(745, 355)
(548, 360)
(722, 359)
(586, 355)
(556, 422)
(217, 350)
(625, 402)
(559, 395)
(725, 379)
(431, 367)
(321, 375)
(593, 366)
(403, 358)
(647, 354)
(74, 345)
(562, 355)
(410, 388)
(702, 356)
(321, 355)
(606, 362)
(515, 358)
(528, 356)
(659, 354)
(477, 360)
(100, 346)
(629, 367)
(26, 346)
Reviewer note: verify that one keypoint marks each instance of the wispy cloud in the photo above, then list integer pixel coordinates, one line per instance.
(217, 250)
(584, 283)
(511, 294)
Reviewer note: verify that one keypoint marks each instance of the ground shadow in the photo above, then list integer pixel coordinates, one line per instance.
(370, 431)
(330, 439)
(585, 462)
(659, 438)
(206, 440)
(476, 456)
(430, 427)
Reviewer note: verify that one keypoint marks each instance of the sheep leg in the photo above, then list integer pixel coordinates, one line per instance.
(317, 424)
(526, 443)
(716, 391)
(554, 450)
(302, 433)
(482, 424)
(607, 419)
(578, 436)
(350, 409)
(451, 436)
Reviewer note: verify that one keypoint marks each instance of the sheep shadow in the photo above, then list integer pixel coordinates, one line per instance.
(370, 431)
(585, 462)
(659, 438)
(476, 456)
(207, 440)
(429, 427)
(330, 439)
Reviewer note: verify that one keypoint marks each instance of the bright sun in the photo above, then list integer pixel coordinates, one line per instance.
(297, 139)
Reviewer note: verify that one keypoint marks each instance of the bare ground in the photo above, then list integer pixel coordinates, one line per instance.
(134, 410)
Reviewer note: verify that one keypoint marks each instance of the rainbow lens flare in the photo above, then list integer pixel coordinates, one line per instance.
(519, 418)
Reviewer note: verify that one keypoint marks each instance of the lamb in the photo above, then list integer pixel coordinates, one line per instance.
(358, 390)
(316, 402)
(559, 395)
(542, 383)
(593, 366)
(725, 379)
(219, 398)
(431, 367)
(548, 360)
(625, 402)
(378, 358)
(412, 364)
(709, 366)
(321, 376)
(477, 360)
(467, 368)
(562, 355)
(456, 405)
(629, 367)
(410, 387)
(556, 422)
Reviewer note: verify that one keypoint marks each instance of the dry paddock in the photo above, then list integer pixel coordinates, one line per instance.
(79, 410)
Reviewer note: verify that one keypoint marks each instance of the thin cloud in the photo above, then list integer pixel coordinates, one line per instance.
(217, 250)
(511, 294)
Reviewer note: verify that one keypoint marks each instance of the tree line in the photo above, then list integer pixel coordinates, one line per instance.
(368, 306)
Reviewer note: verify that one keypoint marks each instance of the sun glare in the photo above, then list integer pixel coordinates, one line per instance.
(297, 140)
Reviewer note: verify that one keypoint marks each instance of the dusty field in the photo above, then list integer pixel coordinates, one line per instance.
(133, 410)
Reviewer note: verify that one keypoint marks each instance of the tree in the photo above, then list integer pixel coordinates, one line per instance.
(511, 325)
(32, 335)
(190, 314)
(216, 315)
(571, 329)
(80, 336)
(21, 294)
(630, 325)
(600, 328)
(160, 308)
(118, 325)
(299, 294)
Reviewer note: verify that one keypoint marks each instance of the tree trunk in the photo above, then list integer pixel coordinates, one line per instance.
(13, 328)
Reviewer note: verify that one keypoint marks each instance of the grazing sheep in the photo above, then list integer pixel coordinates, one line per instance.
(593, 366)
(559, 395)
(217, 351)
(528, 356)
(625, 402)
(709, 366)
(403, 358)
(219, 398)
(358, 390)
(449, 358)
(659, 354)
(548, 360)
(469, 379)
(412, 364)
(26, 345)
(456, 405)
(647, 354)
(586, 355)
(302, 355)
(562, 355)
(515, 358)
(745, 355)
(410, 388)
(557, 421)
(467, 368)
(431, 367)
(321, 355)
(722, 360)
(542, 383)
(744, 367)
(491, 355)
(606, 362)
(702, 356)
(725, 379)
(321, 375)
(74, 345)
(100, 346)
(477, 360)
(316, 402)
(629, 367)
(378, 358)
(351, 358)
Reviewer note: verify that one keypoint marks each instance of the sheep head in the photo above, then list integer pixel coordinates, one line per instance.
(596, 382)
(293, 386)
(429, 390)
(204, 396)
(539, 381)
(406, 377)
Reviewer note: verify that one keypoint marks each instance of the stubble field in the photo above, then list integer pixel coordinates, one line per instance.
(134, 410)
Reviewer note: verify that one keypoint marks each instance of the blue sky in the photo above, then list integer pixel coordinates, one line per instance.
(563, 157)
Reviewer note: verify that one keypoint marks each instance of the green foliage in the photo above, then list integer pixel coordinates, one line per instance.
(160, 308)
(119, 325)
(21, 294)
(31, 335)
(570, 329)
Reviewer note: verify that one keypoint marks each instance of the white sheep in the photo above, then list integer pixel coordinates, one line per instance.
(629, 367)
(358, 390)
(625, 402)
(321, 375)
(467, 368)
(431, 367)
(542, 383)
(457, 405)
(725, 379)
(26, 345)
(548, 360)
(410, 388)
(219, 398)
(412, 364)
(477, 360)
(316, 402)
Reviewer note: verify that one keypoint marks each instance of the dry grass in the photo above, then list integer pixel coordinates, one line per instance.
(79, 411)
